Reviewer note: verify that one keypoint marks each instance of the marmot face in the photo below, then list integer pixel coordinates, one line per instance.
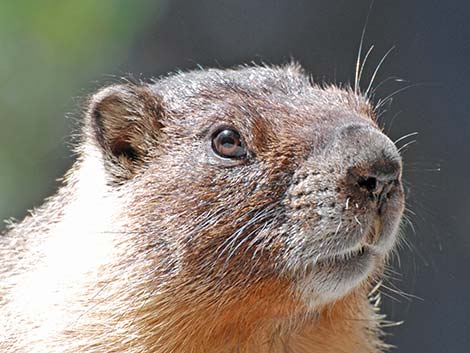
(243, 176)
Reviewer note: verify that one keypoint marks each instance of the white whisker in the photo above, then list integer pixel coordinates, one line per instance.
(359, 52)
(377, 70)
(405, 136)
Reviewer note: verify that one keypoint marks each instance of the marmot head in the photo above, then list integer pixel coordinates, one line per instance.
(234, 178)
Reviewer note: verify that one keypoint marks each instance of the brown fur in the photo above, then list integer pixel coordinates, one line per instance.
(154, 244)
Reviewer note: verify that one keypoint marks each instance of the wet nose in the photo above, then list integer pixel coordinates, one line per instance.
(377, 186)
(373, 165)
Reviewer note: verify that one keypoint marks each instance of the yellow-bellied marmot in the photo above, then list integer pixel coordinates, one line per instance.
(214, 211)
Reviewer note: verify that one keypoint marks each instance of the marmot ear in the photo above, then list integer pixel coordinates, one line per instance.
(124, 121)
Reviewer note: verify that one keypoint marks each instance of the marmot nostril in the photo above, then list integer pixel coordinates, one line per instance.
(378, 190)
(373, 182)
(370, 183)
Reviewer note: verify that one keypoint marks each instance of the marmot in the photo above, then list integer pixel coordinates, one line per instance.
(216, 211)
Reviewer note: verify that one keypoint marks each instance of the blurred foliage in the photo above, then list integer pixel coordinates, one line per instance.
(50, 52)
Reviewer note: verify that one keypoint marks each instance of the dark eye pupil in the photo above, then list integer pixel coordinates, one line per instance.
(227, 143)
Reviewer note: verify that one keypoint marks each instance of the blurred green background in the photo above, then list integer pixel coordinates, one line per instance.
(50, 53)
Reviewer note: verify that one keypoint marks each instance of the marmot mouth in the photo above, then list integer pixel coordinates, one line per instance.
(334, 275)
(345, 270)
(361, 253)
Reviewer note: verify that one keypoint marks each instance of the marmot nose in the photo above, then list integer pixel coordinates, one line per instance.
(373, 166)
(376, 185)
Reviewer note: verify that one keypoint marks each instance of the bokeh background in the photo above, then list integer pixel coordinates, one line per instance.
(55, 53)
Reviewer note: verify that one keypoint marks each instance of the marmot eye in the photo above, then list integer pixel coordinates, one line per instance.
(227, 143)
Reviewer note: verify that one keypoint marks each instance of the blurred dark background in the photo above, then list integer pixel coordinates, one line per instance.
(52, 54)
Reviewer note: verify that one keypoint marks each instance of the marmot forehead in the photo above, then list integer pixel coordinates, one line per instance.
(287, 84)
